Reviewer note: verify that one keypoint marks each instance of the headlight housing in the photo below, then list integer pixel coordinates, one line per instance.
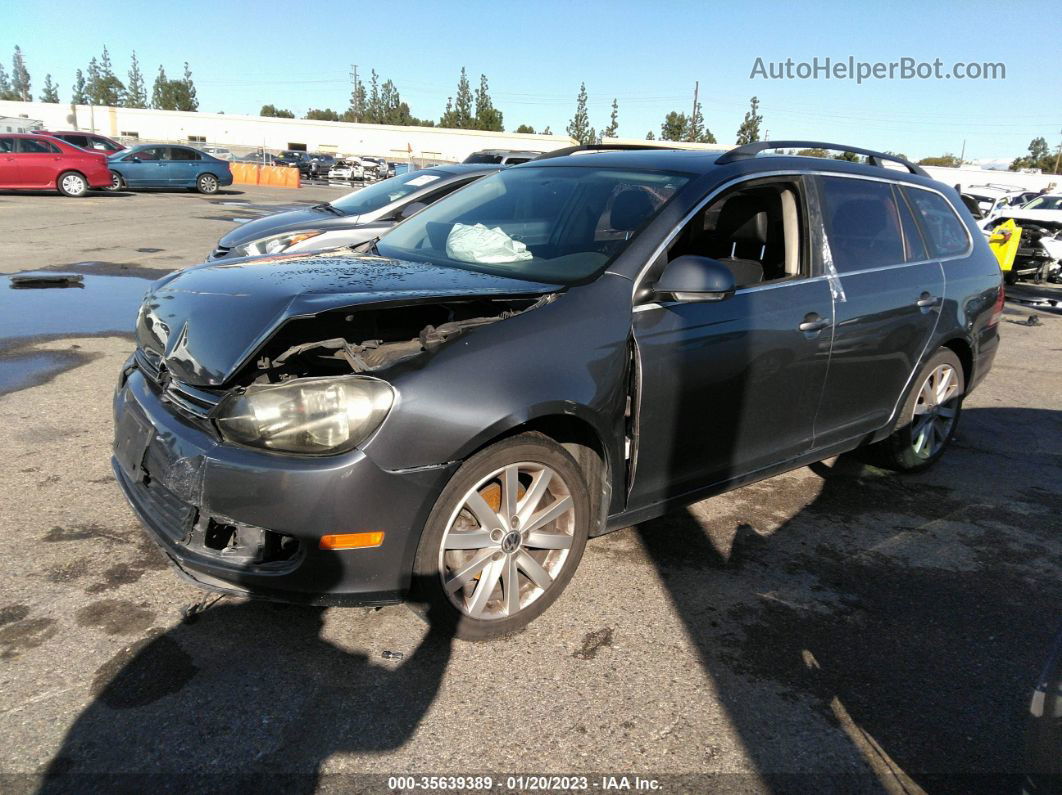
(313, 416)
(275, 244)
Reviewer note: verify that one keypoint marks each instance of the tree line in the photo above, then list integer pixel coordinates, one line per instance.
(381, 103)
(1040, 157)
(97, 84)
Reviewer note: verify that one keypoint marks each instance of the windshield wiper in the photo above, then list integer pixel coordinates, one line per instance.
(368, 247)
(328, 208)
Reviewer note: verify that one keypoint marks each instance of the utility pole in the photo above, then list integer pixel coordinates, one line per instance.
(354, 92)
(962, 154)
(693, 116)
(1059, 155)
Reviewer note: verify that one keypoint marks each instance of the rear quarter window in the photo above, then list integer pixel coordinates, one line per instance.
(945, 231)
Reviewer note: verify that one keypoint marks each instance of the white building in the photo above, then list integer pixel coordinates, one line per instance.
(18, 124)
(251, 132)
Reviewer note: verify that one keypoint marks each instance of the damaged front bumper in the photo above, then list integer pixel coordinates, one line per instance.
(250, 522)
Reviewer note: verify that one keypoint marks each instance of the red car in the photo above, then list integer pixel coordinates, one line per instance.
(39, 162)
(91, 142)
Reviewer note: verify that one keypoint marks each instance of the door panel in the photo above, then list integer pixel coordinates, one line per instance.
(880, 334)
(184, 167)
(39, 163)
(886, 309)
(727, 387)
(9, 177)
(142, 174)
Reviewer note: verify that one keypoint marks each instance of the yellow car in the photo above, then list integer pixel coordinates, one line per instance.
(1004, 242)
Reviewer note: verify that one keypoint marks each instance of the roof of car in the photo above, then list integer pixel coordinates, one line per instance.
(700, 162)
(456, 169)
(69, 132)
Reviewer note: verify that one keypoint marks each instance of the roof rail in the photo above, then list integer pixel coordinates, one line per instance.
(751, 150)
(570, 150)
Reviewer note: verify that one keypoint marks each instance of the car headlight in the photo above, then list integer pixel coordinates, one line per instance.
(275, 244)
(306, 415)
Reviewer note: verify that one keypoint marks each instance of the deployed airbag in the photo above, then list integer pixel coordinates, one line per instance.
(479, 244)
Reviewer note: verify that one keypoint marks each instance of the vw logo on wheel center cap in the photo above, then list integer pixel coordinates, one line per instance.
(511, 542)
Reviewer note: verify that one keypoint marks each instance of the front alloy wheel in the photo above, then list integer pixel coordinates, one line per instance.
(508, 540)
(504, 538)
(116, 182)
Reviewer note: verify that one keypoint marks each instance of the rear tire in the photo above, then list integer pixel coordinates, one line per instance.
(479, 572)
(72, 184)
(929, 417)
(207, 183)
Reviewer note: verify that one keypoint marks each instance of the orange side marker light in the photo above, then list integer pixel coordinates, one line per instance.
(352, 540)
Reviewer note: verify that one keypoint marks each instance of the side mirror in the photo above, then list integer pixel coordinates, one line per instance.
(690, 278)
(133, 159)
(410, 209)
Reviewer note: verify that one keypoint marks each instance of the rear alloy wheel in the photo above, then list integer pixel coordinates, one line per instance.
(207, 183)
(504, 539)
(930, 415)
(70, 183)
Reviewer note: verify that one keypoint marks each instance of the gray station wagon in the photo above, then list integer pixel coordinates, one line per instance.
(562, 348)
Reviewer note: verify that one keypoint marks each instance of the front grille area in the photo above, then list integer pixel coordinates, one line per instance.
(172, 516)
(197, 402)
(188, 400)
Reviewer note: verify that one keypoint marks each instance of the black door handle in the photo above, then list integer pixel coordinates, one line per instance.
(813, 322)
(926, 300)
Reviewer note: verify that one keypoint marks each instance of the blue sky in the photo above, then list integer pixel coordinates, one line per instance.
(647, 55)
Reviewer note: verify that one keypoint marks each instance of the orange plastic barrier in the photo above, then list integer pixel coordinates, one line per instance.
(244, 173)
(254, 174)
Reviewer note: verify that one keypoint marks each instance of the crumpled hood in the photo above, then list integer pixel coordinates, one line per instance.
(206, 321)
(289, 221)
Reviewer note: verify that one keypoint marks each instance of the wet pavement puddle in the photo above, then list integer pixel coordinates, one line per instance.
(101, 304)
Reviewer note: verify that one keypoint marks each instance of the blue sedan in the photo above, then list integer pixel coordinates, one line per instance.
(165, 166)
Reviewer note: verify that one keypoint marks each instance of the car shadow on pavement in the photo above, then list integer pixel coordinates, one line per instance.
(910, 616)
(249, 696)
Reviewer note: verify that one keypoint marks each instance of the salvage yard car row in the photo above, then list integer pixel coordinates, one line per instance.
(75, 162)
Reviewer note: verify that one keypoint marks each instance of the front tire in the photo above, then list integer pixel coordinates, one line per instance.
(929, 417)
(116, 182)
(504, 538)
(207, 183)
(72, 184)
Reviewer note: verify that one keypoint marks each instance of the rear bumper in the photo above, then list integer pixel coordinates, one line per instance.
(183, 484)
(98, 177)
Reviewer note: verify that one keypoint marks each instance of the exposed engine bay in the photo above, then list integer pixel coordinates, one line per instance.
(373, 339)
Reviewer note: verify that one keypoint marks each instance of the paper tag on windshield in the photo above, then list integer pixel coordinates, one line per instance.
(422, 180)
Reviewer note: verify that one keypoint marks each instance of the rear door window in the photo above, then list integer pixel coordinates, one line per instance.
(29, 146)
(77, 140)
(946, 233)
(862, 223)
(184, 154)
(7, 144)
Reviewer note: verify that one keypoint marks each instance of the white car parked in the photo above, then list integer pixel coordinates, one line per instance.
(993, 198)
(220, 152)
